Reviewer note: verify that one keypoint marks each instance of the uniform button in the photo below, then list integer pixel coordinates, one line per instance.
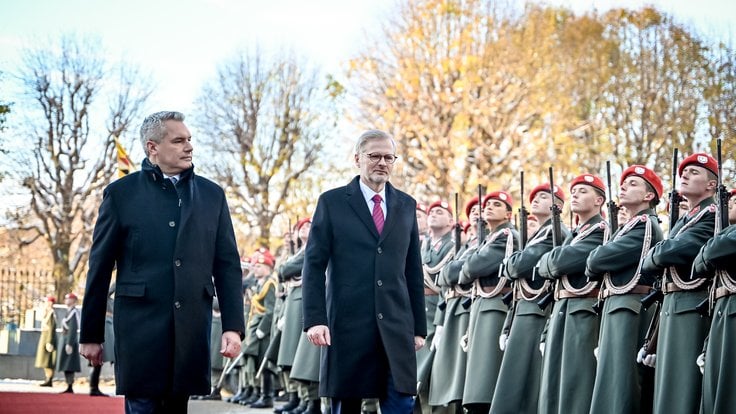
(177, 263)
(177, 305)
(380, 316)
(379, 283)
(380, 250)
(172, 223)
(666, 313)
(719, 313)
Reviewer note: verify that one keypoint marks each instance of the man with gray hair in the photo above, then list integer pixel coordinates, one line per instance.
(363, 288)
(168, 234)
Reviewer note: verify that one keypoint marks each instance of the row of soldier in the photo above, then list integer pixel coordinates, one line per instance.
(496, 347)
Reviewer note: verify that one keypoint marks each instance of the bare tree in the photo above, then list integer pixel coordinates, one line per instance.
(264, 122)
(71, 157)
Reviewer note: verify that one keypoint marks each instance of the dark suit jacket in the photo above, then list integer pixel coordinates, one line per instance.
(173, 248)
(373, 298)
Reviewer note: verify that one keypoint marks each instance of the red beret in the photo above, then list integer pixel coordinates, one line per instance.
(473, 201)
(647, 175)
(591, 180)
(732, 192)
(51, 298)
(302, 222)
(422, 207)
(263, 256)
(545, 187)
(441, 204)
(70, 295)
(500, 196)
(701, 160)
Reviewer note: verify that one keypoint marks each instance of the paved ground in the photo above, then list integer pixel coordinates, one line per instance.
(81, 386)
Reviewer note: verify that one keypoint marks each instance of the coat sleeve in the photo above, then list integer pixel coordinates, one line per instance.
(616, 255)
(227, 274)
(316, 258)
(682, 249)
(720, 250)
(415, 281)
(106, 242)
(485, 261)
(569, 258)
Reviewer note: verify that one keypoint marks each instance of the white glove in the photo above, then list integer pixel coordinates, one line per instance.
(68, 349)
(260, 334)
(502, 341)
(280, 324)
(541, 348)
(595, 353)
(437, 340)
(651, 360)
(49, 347)
(641, 355)
(700, 362)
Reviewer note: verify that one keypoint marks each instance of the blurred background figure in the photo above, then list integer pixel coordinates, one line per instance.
(46, 352)
(68, 356)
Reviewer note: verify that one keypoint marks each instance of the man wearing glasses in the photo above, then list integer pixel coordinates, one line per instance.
(362, 285)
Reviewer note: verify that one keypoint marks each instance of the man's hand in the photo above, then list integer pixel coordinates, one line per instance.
(49, 347)
(418, 343)
(230, 344)
(260, 334)
(93, 353)
(319, 335)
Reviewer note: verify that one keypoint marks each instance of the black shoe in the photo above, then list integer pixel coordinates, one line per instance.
(211, 397)
(241, 395)
(302, 407)
(263, 402)
(314, 407)
(68, 390)
(292, 404)
(47, 383)
(95, 392)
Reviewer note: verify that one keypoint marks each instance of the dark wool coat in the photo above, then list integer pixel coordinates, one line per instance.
(373, 299)
(174, 247)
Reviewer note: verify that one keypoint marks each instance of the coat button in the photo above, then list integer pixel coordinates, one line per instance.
(177, 305)
(177, 263)
(379, 283)
(380, 250)
(380, 316)
(172, 223)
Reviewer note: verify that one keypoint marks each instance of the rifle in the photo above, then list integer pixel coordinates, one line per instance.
(612, 207)
(481, 223)
(656, 296)
(556, 237)
(523, 215)
(704, 307)
(458, 229)
(292, 249)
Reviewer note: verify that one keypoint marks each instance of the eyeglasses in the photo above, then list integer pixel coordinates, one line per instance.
(376, 158)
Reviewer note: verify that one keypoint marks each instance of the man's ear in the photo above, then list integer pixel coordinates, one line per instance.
(151, 147)
(357, 160)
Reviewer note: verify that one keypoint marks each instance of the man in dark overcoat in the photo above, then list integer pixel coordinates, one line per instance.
(170, 236)
(363, 290)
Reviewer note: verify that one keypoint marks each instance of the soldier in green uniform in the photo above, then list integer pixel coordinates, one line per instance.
(682, 329)
(483, 269)
(46, 351)
(290, 323)
(422, 215)
(447, 383)
(568, 366)
(258, 329)
(718, 259)
(437, 250)
(618, 379)
(517, 387)
(68, 356)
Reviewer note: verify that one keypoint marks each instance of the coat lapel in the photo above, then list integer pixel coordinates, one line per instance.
(393, 204)
(359, 206)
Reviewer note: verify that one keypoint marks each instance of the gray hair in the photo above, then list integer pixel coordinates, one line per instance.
(153, 128)
(371, 135)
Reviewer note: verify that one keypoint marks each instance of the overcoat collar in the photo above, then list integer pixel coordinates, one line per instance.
(357, 203)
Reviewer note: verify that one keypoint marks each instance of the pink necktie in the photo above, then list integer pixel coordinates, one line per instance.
(377, 213)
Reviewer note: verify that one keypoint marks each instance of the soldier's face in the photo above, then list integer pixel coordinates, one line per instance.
(634, 192)
(304, 231)
(422, 221)
(474, 214)
(261, 270)
(439, 218)
(375, 174)
(541, 204)
(584, 199)
(495, 211)
(174, 153)
(695, 182)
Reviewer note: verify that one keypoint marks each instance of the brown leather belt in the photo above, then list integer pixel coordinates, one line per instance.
(671, 287)
(637, 290)
(722, 292)
(429, 292)
(566, 294)
(489, 289)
